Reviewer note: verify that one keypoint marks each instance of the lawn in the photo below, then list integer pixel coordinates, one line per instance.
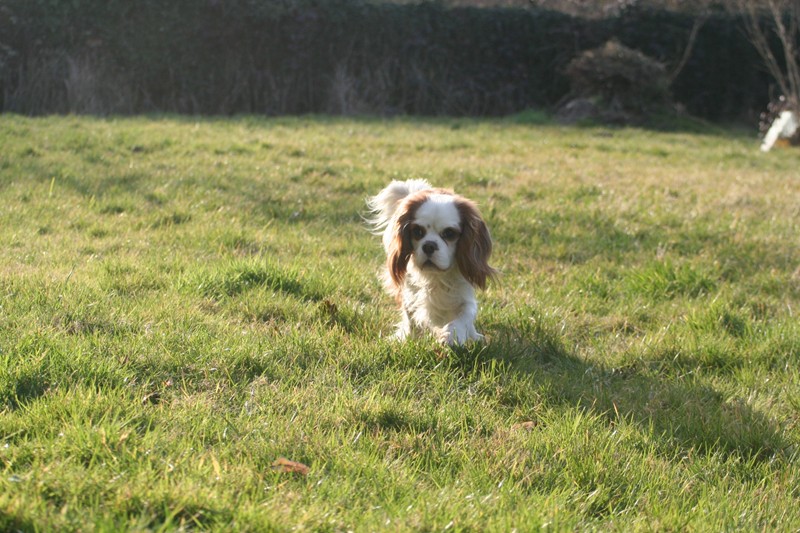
(184, 301)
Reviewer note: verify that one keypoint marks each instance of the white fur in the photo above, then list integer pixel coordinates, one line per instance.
(434, 296)
(384, 205)
(436, 215)
(443, 303)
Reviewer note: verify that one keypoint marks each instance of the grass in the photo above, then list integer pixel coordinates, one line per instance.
(183, 301)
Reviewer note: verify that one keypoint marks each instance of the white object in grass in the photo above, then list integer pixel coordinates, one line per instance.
(783, 127)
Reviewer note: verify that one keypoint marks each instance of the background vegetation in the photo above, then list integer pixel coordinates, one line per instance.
(184, 301)
(348, 56)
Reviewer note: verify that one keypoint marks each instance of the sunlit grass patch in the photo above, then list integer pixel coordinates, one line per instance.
(184, 301)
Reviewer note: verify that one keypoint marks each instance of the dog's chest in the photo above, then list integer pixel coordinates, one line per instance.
(438, 303)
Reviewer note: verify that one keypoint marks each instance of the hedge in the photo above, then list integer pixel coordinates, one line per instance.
(342, 56)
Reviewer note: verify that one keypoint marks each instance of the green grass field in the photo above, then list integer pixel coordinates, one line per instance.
(183, 301)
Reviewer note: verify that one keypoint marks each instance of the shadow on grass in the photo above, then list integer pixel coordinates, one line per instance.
(12, 522)
(240, 276)
(666, 121)
(683, 415)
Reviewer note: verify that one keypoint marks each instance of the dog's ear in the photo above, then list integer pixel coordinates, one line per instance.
(397, 257)
(400, 247)
(474, 245)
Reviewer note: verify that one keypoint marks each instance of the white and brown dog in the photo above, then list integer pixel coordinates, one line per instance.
(437, 247)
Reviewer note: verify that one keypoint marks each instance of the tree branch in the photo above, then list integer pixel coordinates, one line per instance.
(687, 52)
(787, 76)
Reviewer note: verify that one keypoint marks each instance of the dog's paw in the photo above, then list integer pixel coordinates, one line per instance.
(399, 336)
(402, 333)
(456, 333)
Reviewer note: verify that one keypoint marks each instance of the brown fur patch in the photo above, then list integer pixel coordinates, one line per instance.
(474, 246)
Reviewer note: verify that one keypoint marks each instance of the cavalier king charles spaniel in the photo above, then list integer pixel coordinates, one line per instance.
(437, 250)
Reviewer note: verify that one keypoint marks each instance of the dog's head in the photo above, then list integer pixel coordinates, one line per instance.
(439, 230)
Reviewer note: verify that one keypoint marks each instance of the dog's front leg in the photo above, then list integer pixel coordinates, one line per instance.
(462, 329)
(403, 330)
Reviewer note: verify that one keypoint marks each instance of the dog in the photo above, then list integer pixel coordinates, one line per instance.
(437, 251)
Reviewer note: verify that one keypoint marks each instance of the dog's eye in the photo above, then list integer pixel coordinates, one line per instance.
(449, 234)
(417, 232)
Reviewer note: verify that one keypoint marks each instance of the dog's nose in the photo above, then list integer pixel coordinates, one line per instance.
(429, 248)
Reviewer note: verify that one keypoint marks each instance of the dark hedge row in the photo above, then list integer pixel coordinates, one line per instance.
(340, 56)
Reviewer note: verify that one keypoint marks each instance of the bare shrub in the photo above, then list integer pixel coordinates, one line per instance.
(38, 86)
(369, 91)
(765, 21)
(345, 94)
(68, 83)
(91, 87)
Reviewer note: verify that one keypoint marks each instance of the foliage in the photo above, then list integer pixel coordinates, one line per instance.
(342, 57)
